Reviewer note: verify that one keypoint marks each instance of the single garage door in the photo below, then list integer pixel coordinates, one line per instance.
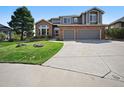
(88, 34)
(68, 34)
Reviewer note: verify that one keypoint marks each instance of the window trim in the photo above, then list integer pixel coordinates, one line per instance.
(44, 27)
(93, 18)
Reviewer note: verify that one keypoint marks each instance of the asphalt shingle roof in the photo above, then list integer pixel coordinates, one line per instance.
(119, 20)
(4, 28)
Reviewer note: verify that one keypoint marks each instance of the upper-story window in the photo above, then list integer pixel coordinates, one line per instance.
(56, 21)
(75, 20)
(93, 18)
(67, 20)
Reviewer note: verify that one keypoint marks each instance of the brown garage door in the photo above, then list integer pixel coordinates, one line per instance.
(68, 35)
(88, 34)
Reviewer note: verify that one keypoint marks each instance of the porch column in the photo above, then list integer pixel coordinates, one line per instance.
(86, 18)
(98, 17)
(46, 31)
(40, 30)
(89, 18)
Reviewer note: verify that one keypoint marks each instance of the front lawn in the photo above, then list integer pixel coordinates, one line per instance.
(28, 54)
(2, 44)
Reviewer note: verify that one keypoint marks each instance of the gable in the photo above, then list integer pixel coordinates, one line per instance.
(43, 22)
(95, 10)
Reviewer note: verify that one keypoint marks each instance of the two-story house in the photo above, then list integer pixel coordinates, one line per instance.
(87, 25)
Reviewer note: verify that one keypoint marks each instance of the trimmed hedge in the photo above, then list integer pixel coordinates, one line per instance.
(115, 33)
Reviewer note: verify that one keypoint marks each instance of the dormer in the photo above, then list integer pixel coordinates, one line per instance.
(92, 16)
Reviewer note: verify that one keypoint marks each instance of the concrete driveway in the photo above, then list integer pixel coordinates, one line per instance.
(103, 58)
(83, 63)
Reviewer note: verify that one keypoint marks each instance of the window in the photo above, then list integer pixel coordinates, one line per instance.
(67, 20)
(56, 21)
(44, 25)
(44, 30)
(93, 18)
(75, 20)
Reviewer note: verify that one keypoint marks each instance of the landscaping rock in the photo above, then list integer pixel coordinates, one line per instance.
(19, 45)
(38, 45)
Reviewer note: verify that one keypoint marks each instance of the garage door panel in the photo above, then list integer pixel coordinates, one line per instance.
(88, 34)
(68, 34)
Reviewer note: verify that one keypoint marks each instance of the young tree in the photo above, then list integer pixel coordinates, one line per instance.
(22, 21)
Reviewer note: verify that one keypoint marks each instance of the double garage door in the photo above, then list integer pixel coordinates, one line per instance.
(81, 34)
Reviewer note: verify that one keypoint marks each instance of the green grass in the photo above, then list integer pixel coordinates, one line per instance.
(2, 44)
(28, 54)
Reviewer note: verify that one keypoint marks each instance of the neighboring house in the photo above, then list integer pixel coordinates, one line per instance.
(118, 23)
(6, 30)
(87, 25)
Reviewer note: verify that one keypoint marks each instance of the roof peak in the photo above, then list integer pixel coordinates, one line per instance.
(96, 9)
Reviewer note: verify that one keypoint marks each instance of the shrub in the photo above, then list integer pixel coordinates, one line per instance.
(2, 36)
(37, 38)
(15, 37)
(29, 35)
(115, 33)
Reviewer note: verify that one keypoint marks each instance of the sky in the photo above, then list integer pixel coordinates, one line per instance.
(112, 13)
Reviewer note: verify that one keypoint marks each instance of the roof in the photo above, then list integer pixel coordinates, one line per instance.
(95, 8)
(70, 16)
(80, 24)
(44, 20)
(4, 28)
(118, 20)
(55, 18)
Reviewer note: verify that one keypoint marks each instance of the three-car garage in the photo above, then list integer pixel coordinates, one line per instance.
(82, 33)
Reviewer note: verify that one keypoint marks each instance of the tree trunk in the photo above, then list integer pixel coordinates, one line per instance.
(22, 35)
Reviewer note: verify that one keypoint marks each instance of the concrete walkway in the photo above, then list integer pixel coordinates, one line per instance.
(103, 58)
(34, 75)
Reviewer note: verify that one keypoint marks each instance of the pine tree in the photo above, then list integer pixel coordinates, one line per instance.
(22, 21)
